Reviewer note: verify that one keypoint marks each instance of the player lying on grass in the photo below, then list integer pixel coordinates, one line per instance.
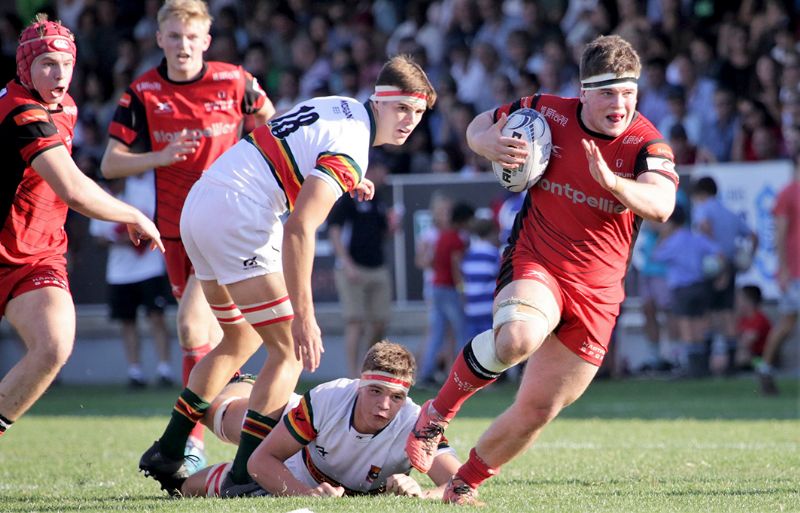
(343, 437)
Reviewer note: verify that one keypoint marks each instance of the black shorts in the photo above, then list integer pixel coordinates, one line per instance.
(126, 299)
(723, 298)
(690, 301)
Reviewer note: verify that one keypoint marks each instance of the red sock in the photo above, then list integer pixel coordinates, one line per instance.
(464, 380)
(191, 356)
(475, 471)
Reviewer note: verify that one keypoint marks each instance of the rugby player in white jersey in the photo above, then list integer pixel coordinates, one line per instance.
(255, 271)
(343, 437)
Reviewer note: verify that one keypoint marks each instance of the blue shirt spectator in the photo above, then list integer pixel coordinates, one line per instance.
(479, 269)
(685, 253)
(714, 219)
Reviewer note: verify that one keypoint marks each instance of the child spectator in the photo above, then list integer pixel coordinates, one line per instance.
(479, 270)
(136, 278)
(752, 327)
(689, 257)
(446, 309)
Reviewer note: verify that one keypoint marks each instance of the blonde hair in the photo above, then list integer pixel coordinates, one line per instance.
(609, 54)
(392, 358)
(185, 10)
(401, 71)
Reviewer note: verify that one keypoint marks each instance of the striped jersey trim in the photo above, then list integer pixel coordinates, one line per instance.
(300, 421)
(281, 161)
(341, 168)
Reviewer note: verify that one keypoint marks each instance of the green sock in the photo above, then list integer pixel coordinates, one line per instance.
(255, 428)
(188, 410)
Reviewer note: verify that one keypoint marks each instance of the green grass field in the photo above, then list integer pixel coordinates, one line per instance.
(649, 446)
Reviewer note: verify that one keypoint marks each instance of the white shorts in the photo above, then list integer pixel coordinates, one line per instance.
(228, 236)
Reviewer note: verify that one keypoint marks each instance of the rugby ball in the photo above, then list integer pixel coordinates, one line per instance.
(530, 126)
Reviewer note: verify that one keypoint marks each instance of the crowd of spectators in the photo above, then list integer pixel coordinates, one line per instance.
(720, 79)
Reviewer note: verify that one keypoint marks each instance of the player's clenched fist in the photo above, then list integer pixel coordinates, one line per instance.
(401, 484)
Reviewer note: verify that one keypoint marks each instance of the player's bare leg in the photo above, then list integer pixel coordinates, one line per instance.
(554, 377)
(526, 312)
(166, 460)
(45, 321)
(264, 301)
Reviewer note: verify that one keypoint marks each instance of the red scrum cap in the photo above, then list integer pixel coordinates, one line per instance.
(42, 36)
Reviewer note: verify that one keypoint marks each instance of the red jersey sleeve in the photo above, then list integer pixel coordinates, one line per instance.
(527, 102)
(129, 124)
(254, 96)
(33, 131)
(656, 156)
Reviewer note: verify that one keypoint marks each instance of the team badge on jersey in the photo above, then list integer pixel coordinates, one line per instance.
(374, 472)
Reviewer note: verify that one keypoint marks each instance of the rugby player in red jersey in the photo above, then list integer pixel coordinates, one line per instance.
(178, 118)
(561, 282)
(40, 181)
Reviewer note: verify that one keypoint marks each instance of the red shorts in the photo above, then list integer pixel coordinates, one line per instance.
(179, 267)
(585, 326)
(18, 279)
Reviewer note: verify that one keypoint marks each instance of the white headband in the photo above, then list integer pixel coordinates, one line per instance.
(608, 80)
(393, 94)
(385, 379)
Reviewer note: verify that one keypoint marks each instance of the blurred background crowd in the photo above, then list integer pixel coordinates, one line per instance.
(720, 80)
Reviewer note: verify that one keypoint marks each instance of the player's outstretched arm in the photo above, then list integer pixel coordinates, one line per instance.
(119, 161)
(445, 465)
(651, 196)
(267, 467)
(80, 193)
(484, 138)
(313, 204)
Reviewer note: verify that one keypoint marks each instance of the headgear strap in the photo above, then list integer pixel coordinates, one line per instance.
(386, 379)
(384, 93)
(38, 38)
(607, 80)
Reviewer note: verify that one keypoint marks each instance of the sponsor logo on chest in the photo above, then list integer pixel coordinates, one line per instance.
(213, 130)
(218, 105)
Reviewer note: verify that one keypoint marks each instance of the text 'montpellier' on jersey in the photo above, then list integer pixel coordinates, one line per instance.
(577, 229)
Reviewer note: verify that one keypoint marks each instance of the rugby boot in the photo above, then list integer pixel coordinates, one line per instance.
(170, 473)
(460, 493)
(423, 441)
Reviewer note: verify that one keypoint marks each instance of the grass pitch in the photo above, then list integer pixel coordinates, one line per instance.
(629, 446)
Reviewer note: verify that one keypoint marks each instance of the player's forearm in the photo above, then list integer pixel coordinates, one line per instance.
(274, 476)
(94, 202)
(118, 163)
(647, 200)
(475, 132)
(298, 260)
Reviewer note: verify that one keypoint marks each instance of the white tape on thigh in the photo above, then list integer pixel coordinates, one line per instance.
(508, 311)
(217, 426)
(227, 314)
(485, 354)
(271, 312)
